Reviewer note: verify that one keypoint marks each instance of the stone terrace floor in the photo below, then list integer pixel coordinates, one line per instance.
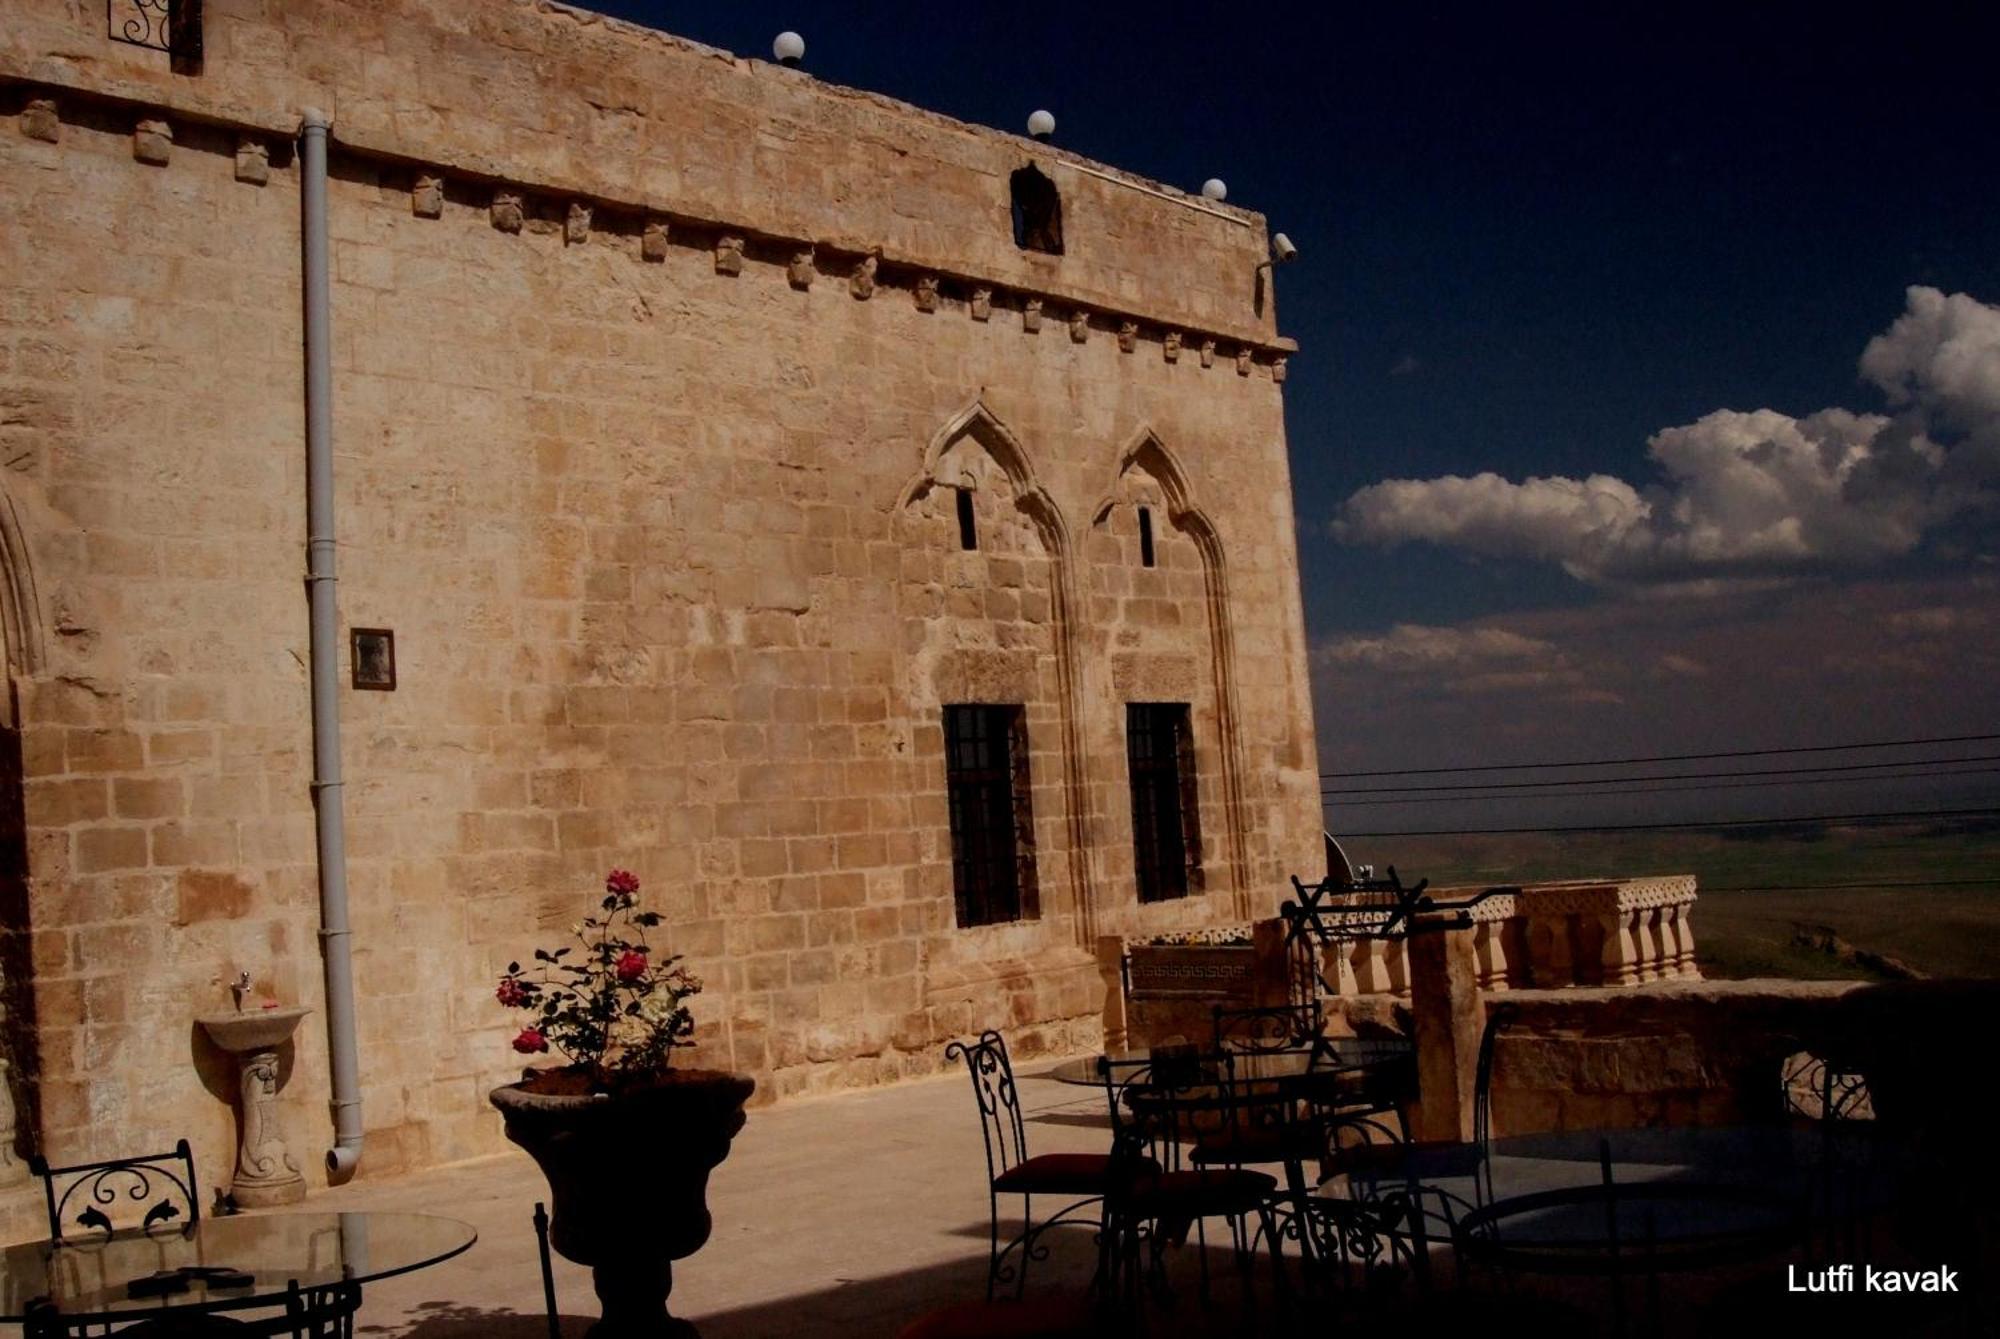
(843, 1215)
(851, 1215)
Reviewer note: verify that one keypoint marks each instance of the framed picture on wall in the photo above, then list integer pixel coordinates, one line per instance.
(373, 653)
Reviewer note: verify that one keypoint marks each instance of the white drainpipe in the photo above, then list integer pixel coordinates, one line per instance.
(336, 940)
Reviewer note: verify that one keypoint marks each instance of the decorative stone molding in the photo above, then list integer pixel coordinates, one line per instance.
(12, 1170)
(1278, 370)
(576, 223)
(1128, 336)
(508, 213)
(154, 138)
(653, 241)
(926, 292)
(1242, 361)
(153, 142)
(1170, 347)
(1079, 326)
(982, 304)
(40, 121)
(1031, 316)
(427, 196)
(1586, 932)
(862, 284)
(729, 254)
(253, 161)
(1208, 353)
(799, 272)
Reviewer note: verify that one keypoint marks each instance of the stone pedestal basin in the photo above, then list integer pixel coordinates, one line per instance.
(266, 1173)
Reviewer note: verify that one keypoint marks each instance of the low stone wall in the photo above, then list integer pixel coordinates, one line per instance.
(1711, 1053)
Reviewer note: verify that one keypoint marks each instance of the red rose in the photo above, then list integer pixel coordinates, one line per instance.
(511, 992)
(531, 1041)
(622, 882)
(631, 965)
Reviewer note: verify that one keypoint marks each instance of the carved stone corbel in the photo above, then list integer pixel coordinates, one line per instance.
(427, 197)
(729, 254)
(253, 161)
(1031, 316)
(153, 142)
(862, 283)
(653, 241)
(926, 292)
(576, 223)
(507, 212)
(39, 120)
(799, 273)
(982, 304)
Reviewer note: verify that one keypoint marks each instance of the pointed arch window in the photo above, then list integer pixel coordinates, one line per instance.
(1037, 212)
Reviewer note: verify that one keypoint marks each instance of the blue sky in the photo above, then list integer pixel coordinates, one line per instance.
(1581, 245)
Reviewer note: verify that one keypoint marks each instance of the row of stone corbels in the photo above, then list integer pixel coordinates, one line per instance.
(153, 139)
(509, 212)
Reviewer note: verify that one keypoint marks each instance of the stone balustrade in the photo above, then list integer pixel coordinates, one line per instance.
(1546, 936)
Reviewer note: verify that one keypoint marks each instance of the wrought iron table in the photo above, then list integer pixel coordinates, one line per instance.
(308, 1268)
(1348, 1060)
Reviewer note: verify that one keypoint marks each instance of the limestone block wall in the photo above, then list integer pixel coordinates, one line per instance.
(658, 503)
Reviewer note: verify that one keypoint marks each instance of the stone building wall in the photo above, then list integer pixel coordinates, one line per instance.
(665, 527)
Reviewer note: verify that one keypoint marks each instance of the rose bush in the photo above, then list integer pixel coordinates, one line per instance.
(614, 1010)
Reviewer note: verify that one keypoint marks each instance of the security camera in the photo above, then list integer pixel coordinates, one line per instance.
(1282, 248)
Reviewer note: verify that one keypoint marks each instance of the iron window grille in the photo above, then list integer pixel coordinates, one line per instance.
(992, 814)
(1166, 817)
(172, 26)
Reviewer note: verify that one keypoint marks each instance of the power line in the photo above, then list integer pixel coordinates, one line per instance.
(1831, 887)
(1658, 776)
(1665, 790)
(1669, 757)
(1723, 823)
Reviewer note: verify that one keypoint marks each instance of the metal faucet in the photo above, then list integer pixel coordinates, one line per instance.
(239, 988)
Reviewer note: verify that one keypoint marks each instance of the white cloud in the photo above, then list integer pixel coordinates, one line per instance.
(1458, 660)
(1744, 494)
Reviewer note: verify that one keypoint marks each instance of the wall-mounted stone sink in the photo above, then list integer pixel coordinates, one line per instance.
(265, 1171)
(253, 1029)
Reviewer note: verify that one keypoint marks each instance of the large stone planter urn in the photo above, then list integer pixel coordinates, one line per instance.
(629, 1177)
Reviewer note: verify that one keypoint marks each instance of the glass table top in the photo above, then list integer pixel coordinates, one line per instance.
(91, 1276)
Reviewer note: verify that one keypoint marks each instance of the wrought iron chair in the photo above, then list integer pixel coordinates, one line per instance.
(1401, 1195)
(1160, 1107)
(1010, 1170)
(163, 1182)
(1271, 1028)
(548, 1270)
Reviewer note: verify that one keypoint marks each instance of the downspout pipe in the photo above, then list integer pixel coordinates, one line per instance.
(330, 830)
